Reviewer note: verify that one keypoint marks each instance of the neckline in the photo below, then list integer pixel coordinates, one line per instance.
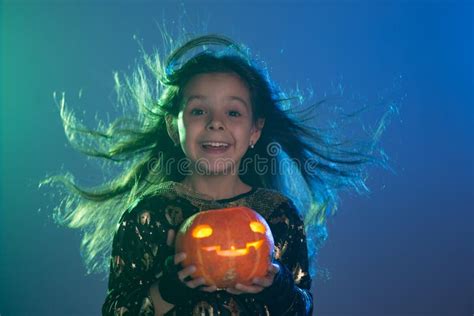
(184, 189)
(237, 197)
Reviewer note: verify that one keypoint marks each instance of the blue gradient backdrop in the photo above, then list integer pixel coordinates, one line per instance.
(407, 249)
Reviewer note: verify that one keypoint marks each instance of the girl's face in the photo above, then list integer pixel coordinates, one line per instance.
(215, 124)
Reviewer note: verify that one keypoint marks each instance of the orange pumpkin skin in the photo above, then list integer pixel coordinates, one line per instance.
(227, 246)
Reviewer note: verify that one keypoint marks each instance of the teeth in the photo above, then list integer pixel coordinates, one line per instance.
(212, 144)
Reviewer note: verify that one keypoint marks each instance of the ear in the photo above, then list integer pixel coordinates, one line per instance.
(257, 130)
(172, 129)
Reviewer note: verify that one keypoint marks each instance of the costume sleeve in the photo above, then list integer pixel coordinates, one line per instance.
(135, 262)
(292, 252)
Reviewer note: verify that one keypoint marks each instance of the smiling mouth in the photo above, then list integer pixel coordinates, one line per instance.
(214, 145)
(233, 252)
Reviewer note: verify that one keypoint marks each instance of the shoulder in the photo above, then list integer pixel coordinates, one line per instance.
(165, 207)
(273, 202)
(142, 204)
(271, 197)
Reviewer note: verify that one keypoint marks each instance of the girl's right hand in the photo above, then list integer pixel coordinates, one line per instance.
(185, 275)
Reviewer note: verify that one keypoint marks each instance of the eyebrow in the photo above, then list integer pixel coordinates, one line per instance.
(202, 97)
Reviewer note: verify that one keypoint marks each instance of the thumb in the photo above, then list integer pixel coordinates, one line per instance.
(170, 238)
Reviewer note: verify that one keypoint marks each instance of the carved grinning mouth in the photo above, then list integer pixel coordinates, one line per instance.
(232, 252)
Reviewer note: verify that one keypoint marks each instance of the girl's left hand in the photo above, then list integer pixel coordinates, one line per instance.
(258, 284)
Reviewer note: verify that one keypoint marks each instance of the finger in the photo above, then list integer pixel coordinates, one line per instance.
(274, 268)
(179, 257)
(234, 291)
(170, 238)
(209, 289)
(263, 282)
(253, 289)
(183, 274)
(194, 283)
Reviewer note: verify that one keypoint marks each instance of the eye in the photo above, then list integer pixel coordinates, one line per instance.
(257, 227)
(234, 113)
(202, 231)
(197, 111)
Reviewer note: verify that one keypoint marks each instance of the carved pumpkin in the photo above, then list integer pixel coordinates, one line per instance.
(227, 246)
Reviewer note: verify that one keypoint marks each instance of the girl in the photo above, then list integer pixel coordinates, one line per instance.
(215, 133)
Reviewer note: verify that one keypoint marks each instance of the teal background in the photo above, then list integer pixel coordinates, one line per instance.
(405, 250)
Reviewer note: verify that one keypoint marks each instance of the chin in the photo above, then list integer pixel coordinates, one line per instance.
(217, 169)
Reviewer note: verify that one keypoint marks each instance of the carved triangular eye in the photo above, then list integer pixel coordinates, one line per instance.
(257, 227)
(202, 231)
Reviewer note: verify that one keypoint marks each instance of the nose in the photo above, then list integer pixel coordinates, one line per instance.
(215, 123)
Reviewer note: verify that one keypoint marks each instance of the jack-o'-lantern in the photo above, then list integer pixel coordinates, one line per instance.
(227, 246)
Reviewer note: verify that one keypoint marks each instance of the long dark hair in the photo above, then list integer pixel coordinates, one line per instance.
(307, 163)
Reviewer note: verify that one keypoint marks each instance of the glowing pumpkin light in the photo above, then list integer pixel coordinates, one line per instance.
(227, 246)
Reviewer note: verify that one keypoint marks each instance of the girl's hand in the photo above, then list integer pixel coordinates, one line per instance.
(184, 275)
(258, 284)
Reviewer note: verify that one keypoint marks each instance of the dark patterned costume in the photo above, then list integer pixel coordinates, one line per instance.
(136, 260)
